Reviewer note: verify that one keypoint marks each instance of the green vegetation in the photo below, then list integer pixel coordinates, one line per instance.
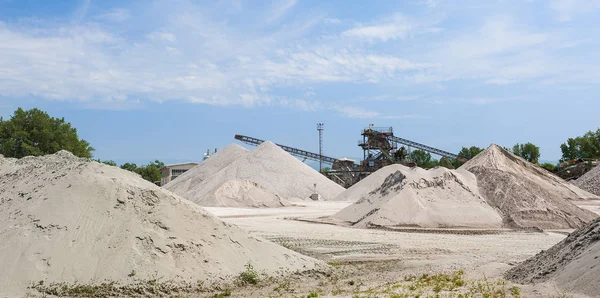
(34, 132)
(150, 172)
(423, 159)
(225, 293)
(586, 146)
(249, 276)
(528, 151)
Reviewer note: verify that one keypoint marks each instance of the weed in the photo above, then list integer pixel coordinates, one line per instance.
(515, 291)
(225, 293)
(132, 274)
(284, 285)
(250, 276)
(351, 282)
(313, 294)
(286, 244)
(335, 265)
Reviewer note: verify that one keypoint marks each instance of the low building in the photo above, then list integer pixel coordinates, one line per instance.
(170, 172)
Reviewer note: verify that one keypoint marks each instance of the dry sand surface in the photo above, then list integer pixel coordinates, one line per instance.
(368, 261)
(265, 169)
(437, 198)
(185, 184)
(66, 219)
(590, 181)
(527, 195)
(573, 264)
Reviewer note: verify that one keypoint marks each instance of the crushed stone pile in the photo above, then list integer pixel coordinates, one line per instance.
(266, 176)
(573, 264)
(67, 219)
(402, 196)
(590, 181)
(526, 195)
(204, 170)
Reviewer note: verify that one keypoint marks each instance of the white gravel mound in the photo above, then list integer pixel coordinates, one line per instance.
(66, 219)
(244, 193)
(436, 198)
(526, 195)
(365, 186)
(271, 169)
(185, 183)
(590, 181)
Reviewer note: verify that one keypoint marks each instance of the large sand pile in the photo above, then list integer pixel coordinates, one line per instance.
(590, 181)
(525, 194)
(402, 196)
(573, 264)
(66, 219)
(196, 175)
(272, 175)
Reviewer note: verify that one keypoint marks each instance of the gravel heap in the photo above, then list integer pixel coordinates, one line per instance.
(573, 264)
(67, 219)
(204, 170)
(590, 181)
(526, 195)
(265, 177)
(400, 196)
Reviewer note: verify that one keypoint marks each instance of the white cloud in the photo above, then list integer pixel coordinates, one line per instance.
(162, 35)
(356, 112)
(115, 15)
(566, 10)
(396, 28)
(280, 10)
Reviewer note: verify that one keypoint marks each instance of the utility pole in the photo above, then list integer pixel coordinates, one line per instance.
(320, 129)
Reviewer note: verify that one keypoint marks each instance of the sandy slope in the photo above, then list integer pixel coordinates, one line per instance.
(184, 185)
(573, 264)
(525, 194)
(68, 219)
(436, 198)
(270, 169)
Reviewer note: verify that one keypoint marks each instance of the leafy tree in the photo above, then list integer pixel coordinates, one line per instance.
(423, 159)
(468, 153)
(447, 163)
(528, 151)
(129, 167)
(586, 146)
(465, 153)
(548, 166)
(34, 132)
(150, 172)
(107, 162)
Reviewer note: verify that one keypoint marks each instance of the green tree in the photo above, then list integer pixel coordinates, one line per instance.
(423, 159)
(129, 167)
(586, 146)
(548, 166)
(447, 163)
(465, 153)
(528, 151)
(468, 153)
(107, 162)
(34, 132)
(150, 172)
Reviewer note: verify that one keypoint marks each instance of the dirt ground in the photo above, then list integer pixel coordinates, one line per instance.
(380, 263)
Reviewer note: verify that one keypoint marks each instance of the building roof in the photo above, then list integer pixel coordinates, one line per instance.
(179, 164)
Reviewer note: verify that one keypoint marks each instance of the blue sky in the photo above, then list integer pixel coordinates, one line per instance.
(145, 80)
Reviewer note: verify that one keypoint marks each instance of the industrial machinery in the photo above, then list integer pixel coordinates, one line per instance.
(380, 148)
(575, 168)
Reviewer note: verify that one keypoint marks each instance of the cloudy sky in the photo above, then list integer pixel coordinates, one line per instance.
(145, 80)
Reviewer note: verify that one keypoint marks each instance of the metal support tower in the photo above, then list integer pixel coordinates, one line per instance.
(320, 129)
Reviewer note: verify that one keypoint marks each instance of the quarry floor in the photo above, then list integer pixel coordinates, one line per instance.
(366, 261)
